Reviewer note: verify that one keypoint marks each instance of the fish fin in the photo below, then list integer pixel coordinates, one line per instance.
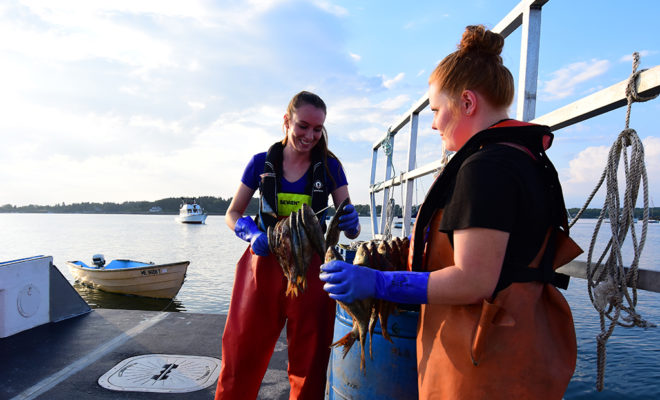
(347, 342)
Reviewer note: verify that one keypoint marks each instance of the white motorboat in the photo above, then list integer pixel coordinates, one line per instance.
(191, 214)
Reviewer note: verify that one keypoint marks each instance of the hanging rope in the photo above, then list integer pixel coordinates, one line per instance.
(612, 288)
(389, 215)
(388, 211)
(386, 144)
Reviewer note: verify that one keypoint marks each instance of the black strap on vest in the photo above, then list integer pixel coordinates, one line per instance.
(545, 272)
(269, 186)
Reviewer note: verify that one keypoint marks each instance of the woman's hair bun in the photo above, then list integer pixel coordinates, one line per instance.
(478, 39)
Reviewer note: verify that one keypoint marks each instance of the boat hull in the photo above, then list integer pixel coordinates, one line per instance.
(161, 281)
(192, 219)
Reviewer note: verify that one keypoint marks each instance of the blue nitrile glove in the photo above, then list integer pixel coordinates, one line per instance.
(350, 223)
(247, 230)
(347, 282)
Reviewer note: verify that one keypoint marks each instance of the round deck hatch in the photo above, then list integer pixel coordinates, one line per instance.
(162, 373)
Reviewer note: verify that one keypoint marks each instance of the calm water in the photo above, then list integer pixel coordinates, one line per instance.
(633, 355)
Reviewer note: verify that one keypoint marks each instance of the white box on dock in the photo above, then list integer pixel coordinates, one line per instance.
(24, 294)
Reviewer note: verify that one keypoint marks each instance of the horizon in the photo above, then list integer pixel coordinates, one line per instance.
(64, 204)
(116, 101)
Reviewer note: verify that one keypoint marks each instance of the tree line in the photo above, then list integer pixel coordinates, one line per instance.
(215, 206)
(211, 205)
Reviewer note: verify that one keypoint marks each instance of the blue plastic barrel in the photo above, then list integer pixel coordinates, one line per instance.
(346, 253)
(392, 374)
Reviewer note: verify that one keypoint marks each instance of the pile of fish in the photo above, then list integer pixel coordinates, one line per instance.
(391, 255)
(294, 240)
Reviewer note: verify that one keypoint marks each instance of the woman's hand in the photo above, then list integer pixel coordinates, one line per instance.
(350, 223)
(260, 244)
(247, 230)
(347, 282)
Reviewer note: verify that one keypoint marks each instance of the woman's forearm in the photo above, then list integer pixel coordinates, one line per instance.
(231, 217)
(478, 257)
(238, 205)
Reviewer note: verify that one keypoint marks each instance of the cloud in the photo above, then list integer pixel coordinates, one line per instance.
(588, 165)
(355, 57)
(566, 81)
(643, 53)
(585, 170)
(71, 31)
(333, 9)
(88, 171)
(389, 83)
(368, 120)
(196, 105)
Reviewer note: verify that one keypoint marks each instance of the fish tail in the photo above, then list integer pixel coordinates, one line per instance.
(383, 315)
(363, 339)
(372, 325)
(347, 342)
(292, 290)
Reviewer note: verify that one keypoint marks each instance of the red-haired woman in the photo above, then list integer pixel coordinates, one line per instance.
(486, 241)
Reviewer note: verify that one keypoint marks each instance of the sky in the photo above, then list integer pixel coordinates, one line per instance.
(125, 100)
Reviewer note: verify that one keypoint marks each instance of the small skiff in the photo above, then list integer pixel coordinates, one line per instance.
(161, 281)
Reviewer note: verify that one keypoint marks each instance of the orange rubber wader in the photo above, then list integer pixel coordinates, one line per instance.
(520, 345)
(257, 313)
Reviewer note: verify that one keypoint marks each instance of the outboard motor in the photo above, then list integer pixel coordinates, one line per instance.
(98, 260)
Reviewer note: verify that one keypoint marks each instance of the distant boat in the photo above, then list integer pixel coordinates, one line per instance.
(156, 209)
(399, 224)
(191, 214)
(161, 281)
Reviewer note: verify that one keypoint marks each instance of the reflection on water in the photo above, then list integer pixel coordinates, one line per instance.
(99, 299)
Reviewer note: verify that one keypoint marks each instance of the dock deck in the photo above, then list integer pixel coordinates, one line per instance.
(64, 360)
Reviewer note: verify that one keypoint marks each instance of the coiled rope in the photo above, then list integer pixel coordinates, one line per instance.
(613, 288)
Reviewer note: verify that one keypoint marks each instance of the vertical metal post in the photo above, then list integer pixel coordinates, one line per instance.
(529, 63)
(410, 184)
(372, 195)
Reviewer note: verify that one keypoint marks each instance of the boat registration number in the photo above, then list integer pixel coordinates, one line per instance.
(150, 272)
